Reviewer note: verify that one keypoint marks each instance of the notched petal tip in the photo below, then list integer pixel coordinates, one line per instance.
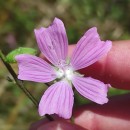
(93, 29)
(101, 102)
(109, 86)
(109, 44)
(21, 56)
(57, 20)
(40, 111)
(38, 31)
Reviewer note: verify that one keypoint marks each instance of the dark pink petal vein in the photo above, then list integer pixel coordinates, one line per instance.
(34, 69)
(89, 49)
(92, 89)
(53, 42)
(57, 99)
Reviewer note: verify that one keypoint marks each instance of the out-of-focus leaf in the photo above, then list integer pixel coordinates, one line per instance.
(10, 58)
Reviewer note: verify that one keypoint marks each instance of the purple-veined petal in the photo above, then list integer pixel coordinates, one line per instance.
(53, 42)
(57, 99)
(89, 49)
(92, 89)
(35, 69)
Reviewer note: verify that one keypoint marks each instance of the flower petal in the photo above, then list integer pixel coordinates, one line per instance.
(92, 89)
(57, 99)
(53, 42)
(89, 49)
(34, 69)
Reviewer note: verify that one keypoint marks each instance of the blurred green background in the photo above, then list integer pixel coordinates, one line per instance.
(18, 18)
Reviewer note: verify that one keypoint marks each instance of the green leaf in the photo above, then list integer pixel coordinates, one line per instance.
(10, 58)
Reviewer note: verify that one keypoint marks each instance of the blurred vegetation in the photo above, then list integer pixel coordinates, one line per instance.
(18, 18)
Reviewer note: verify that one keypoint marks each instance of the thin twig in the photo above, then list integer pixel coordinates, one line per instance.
(20, 84)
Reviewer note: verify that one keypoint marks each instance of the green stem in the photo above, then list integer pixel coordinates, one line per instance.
(20, 84)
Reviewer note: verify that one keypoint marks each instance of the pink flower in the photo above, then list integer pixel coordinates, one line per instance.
(53, 43)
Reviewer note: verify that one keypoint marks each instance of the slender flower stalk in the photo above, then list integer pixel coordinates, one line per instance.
(20, 84)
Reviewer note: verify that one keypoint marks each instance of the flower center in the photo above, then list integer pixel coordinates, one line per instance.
(60, 73)
(65, 73)
(69, 73)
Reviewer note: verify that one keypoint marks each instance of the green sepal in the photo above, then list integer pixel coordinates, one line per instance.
(10, 58)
